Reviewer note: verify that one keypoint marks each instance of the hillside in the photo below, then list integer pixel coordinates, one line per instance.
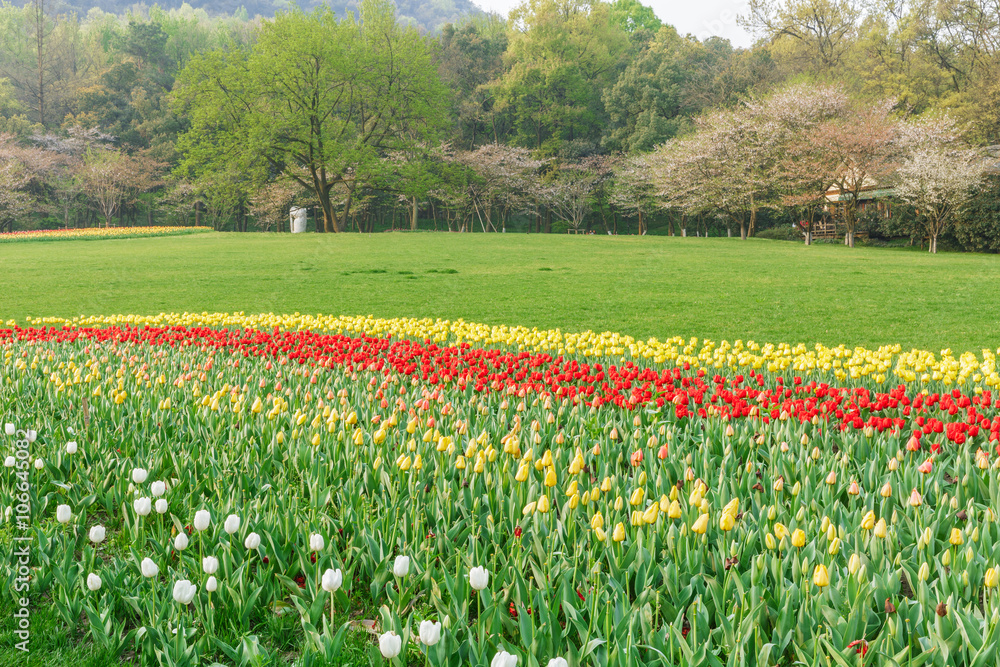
(428, 15)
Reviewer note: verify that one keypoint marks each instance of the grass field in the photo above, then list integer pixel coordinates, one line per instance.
(653, 286)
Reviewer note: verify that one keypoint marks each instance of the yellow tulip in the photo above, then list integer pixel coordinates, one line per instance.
(700, 524)
(550, 478)
(460, 462)
(798, 538)
(924, 572)
(649, 516)
(619, 533)
(780, 531)
(597, 521)
(529, 508)
(853, 563)
(674, 511)
(769, 542)
(886, 489)
(956, 537)
(992, 575)
(637, 497)
(821, 577)
(600, 534)
(880, 528)
(868, 522)
(574, 501)
(727, 521)
(522, 472)
(543, 504)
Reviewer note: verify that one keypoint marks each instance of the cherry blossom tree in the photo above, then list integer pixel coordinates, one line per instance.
(938, 174)
(859, 149)
(504, 183)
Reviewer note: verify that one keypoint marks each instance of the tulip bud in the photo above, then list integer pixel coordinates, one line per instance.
(202, 519)
(142, 506)
(181, 541)
(148, 568)
(63, 513)
(821, 577)
(991, 577)
(331, 580)
(316, 542)
(619, 533)
(93, 582)
(139, 475)
(430, 633)
(853, 563)
(161, 506)
(401, 566)
(210, 564)
(97, 534)
(479, 578)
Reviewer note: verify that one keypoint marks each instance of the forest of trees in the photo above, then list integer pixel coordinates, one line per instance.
(566, 115)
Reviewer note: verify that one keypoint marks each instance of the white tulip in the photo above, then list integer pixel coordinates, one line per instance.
(9, 428)
(558, 662)
(252, 541)
(332, 580)
(161, 505)
(401, 567)
(232, 524)
(63, 514)
(139, 475)
(148, 568)
(70, 430)
(71, 447)
(31, 435)
(504, 659)
(430, 633)
(142, 506)
(212, 585)
(210, 564)
(181, 541)
(97, 534)
(202, 519)
(390, 644)
(39, 464)
(158, 489)
(316, 542)
(184, 591)
(479, 578)
(93, 582)
(9, 462)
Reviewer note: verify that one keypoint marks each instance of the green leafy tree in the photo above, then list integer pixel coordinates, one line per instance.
(651, 99)
(562, 54)
(319, 100)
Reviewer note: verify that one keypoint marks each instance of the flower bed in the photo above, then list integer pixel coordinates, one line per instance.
(542, 496)
(93, 233)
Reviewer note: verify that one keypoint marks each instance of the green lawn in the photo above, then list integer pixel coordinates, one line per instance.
(650, 286)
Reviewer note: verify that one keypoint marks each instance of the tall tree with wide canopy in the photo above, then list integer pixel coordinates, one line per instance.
(320, 100)
(561, 55)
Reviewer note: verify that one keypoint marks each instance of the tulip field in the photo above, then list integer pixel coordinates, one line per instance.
(270, 490)
(97, 233)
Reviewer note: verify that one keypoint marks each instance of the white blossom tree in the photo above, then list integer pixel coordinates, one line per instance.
(938, 174)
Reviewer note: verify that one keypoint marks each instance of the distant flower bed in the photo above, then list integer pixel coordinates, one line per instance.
(97, 233)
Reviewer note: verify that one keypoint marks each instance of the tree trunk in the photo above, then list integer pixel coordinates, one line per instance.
(933, 244)
(809, 236)
(642, 229)
(743, 230)
(729, 231)
(413, 218)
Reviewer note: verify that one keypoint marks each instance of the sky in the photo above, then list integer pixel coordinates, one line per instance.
(701, 18)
